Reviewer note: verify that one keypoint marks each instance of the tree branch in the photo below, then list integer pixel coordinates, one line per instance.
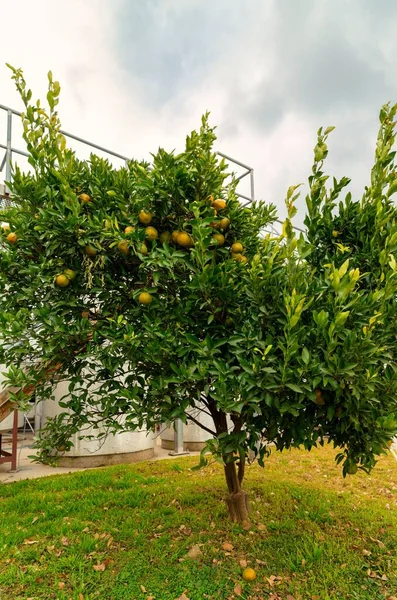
(213, 433)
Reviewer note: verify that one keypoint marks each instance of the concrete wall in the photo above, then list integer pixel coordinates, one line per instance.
(194, 437)
(119, 448)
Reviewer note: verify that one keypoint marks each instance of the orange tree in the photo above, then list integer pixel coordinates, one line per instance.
(155, 294)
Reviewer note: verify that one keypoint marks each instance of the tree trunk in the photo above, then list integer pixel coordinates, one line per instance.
(237, 500)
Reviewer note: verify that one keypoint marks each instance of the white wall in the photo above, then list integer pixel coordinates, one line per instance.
(120, 443)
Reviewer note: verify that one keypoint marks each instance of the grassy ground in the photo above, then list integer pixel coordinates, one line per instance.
(125, 533)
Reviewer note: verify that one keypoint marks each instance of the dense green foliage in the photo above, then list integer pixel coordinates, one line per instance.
(295, 344)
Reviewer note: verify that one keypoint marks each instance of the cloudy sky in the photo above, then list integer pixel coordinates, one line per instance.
(137, 74)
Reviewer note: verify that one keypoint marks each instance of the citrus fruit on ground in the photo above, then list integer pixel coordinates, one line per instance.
(219, 238)
(62, 281)
(123, 247)
(249, 574)
(12, 238)
(237, 248)
(352, 469)
(184, 239)
(219, 204)
(143, 249)
(70, 274)
(165, 236)
(128, 230)
(145, 217)
(145, 298)
(85, 198)
(90, 250)
(151, 233)
(224, 223)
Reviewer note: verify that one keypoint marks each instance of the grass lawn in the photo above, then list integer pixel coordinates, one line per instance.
(125, 533)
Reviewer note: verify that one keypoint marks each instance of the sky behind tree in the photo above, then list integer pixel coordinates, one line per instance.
(138, 75)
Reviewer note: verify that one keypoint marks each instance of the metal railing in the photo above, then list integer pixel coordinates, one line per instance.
(10, 150)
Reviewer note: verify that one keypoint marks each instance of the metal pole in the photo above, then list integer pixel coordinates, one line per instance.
(252, 184)
(8, 150)
(178, 439)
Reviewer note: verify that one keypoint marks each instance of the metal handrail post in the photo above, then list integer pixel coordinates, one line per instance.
(252, 184)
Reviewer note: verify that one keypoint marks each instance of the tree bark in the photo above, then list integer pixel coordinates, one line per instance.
(237, 500)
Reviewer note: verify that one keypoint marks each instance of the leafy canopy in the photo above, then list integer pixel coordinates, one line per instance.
(290, 341)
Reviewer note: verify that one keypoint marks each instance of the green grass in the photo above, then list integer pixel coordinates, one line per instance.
(322, 537)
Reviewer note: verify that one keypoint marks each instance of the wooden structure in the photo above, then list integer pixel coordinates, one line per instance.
(6, 408)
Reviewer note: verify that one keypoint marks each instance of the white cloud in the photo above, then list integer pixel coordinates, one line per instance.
(136, 76)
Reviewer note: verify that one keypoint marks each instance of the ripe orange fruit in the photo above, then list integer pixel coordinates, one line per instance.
(128, 230)
(319, 397)
(242, 258)
(215, 224)
(151, 233)
(85, 198)
(123, 247)
(143, 249)
(219, 204)
(249, 574)
(12, 238)
(90, 250)
(224, 223)
(145, 217)
(174, 236)
(165, 236)
(62, 281)
(237, 248)
(145, 298)
(70, 274)
(219, 238)
(184, 239)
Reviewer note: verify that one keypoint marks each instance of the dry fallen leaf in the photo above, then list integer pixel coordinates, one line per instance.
(228, 547)
(61, 585)
(243, 563)
(238, 590)
(30, 542)
(366, 552)
(289, 597)
(81, 597)
(100, 567)
(194, 551)
(183, 597)
(262, 527)
(144, 590)
(35, 519)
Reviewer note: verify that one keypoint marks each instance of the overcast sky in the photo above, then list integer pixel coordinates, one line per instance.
(138, 74)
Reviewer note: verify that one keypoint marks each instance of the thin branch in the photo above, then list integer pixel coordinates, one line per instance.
(201, 425)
